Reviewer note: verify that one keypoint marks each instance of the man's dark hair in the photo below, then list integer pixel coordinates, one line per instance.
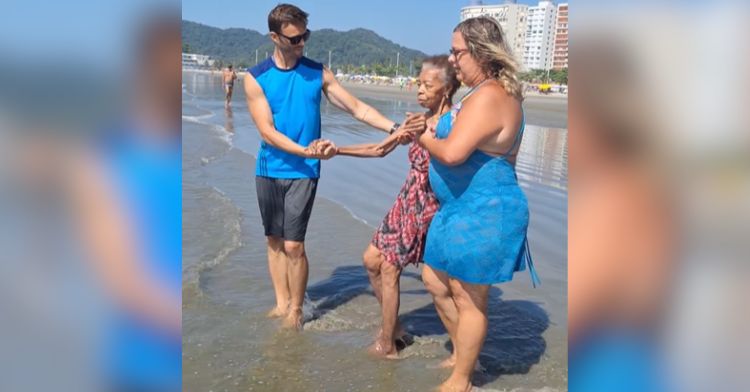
(285, 13)
(229, 66)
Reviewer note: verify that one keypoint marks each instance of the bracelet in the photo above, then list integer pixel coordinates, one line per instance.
(394, 128)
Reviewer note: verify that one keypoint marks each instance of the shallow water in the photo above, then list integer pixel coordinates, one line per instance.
(229, 345)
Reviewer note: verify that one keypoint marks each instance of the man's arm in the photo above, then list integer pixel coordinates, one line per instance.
(343, 100)
(263, 118)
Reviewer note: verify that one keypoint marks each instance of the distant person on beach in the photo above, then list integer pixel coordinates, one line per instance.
(283, 96)
(228, 76)
(400, 239)
(477, 238)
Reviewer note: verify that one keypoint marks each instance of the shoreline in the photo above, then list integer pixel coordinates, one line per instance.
(549, 111)
(542, 110)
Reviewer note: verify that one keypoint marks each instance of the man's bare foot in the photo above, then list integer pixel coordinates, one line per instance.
(293, 320)
(277, 312)
(401, 339)
(399, 334)
(383, 350)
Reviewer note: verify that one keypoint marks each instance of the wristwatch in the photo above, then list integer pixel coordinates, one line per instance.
(394, 128)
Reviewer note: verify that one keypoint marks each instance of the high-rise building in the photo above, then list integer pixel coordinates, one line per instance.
(540, 36)
(561, 38)
(512, 18)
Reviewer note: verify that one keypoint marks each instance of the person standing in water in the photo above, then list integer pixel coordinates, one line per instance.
(228, 76)
(283, 97)
(477, 237)
(400, 238)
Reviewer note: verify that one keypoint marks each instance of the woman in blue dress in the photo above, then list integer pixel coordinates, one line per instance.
(478, 236)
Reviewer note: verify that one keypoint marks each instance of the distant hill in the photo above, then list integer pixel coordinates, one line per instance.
(350, 49)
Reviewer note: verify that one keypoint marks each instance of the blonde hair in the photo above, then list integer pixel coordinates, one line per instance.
(487, 45)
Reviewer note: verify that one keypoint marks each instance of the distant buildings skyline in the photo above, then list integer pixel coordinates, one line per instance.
(536, 35)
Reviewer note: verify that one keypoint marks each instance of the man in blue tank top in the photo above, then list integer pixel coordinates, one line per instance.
(283, 96)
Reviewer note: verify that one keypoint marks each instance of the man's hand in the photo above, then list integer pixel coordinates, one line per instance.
(321, 149)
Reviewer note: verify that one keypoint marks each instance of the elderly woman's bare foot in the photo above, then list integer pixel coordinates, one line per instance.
(277, 312)
(293, 320)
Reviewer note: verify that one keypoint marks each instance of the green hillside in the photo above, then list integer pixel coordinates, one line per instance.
(357, 50)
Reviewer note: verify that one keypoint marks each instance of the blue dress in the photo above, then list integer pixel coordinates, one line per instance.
(479, 233)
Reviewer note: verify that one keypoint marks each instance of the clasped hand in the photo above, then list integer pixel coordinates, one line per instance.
(413, 126)
(321, 149)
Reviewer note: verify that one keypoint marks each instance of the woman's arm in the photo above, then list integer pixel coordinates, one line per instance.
(481, 121)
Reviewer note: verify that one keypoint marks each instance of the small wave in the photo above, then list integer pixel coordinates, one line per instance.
(349, 210)
(230, 215)
(199, 118)
(220, 130)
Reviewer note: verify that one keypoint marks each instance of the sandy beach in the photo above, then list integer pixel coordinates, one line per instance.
(543, 110)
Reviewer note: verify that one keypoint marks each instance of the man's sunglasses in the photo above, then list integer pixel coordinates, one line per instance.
(295, 40)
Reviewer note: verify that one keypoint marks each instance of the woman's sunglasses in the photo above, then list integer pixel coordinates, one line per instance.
(297, 38)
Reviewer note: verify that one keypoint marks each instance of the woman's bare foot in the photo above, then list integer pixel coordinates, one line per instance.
(449, 386)
(383, 349)
(451, 362)
(293, 320)
(277, 312)
(448, 362)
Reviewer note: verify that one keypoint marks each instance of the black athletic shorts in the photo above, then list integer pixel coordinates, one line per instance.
(285, 205)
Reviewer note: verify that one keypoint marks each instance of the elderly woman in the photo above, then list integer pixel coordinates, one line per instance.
(478, 236)
(400, 239)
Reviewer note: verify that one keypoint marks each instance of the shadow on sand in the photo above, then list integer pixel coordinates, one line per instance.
(514, 341)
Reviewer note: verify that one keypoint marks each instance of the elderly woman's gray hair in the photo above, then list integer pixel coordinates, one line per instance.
(447, 74)
(486, 43)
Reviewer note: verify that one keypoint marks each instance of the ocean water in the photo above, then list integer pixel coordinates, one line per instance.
(229, 345)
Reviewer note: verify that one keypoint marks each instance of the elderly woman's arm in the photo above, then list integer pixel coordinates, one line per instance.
(403, 135)
(481, 120)
(371, 150)
(362, 150)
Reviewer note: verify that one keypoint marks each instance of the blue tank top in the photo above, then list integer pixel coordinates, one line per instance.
(294, 96)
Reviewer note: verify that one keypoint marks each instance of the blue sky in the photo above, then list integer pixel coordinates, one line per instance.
(92, 32)
(425, 25)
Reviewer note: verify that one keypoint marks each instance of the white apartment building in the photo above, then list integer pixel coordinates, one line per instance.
(561, 38)
(512, 18)
(196, 60)
(540, 36)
